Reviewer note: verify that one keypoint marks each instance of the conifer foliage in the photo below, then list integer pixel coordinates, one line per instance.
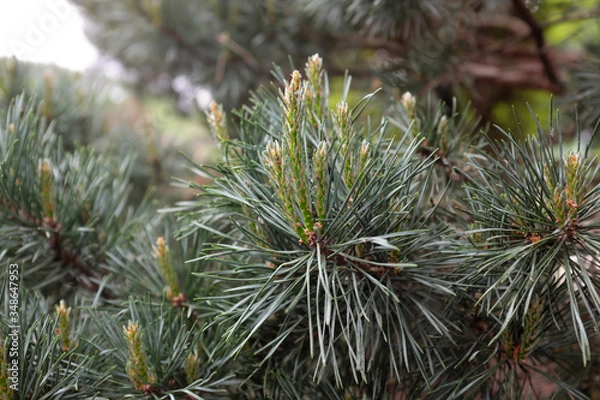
(384, 283)
(336, 248)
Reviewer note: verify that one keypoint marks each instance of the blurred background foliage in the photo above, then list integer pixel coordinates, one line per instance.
(494, 54)
(91, 110)
(173, 57)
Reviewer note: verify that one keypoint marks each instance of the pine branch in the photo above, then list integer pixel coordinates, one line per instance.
(49, 230)
(170, 33)
(538, 36)
(373, 251)
(319, 265)
(86, 277)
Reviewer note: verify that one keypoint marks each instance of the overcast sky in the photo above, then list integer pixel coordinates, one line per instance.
(47, 31)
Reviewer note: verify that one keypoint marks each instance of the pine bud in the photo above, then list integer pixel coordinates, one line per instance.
(314, 66)
(46, 182)
(409, 103)
(572, 174)
(573, 161)
(217, 121)
(295, 82)
(531, 328)
(292, 105)
(137, 368)
(63, 329)
(442, 128)
(320, 180)
(292, 91)
(314, 73)
(566, 197)
(314, 92)
(365, 154)
(282, 174)
(164, 259)
(273, 156)
(191, 368)
(342, 120)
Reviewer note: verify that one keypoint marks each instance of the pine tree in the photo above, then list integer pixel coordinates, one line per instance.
(386, 246)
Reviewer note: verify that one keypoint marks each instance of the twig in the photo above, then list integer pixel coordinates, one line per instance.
(588, 14)
(538, 35)
(179, 39)
(68, 258)
(226, 40)
(61, 254)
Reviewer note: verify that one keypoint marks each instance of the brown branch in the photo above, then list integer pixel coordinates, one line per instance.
(61, 254)
(181, 303)
(86, 276)
(588, 14)
(524, 73)
(171, 33)
(538, 35)
(521, 75)
(223, 39)
(353, 41)
(517, 26)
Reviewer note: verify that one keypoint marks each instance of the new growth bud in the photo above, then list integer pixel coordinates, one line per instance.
(46, 182)
(164, 259)
(409, 103)
(320, 180)
(314, 65)
(192, 368)
(63, 329)
(313, 95)
(217, 122)
(137, 369)
(342, 117)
